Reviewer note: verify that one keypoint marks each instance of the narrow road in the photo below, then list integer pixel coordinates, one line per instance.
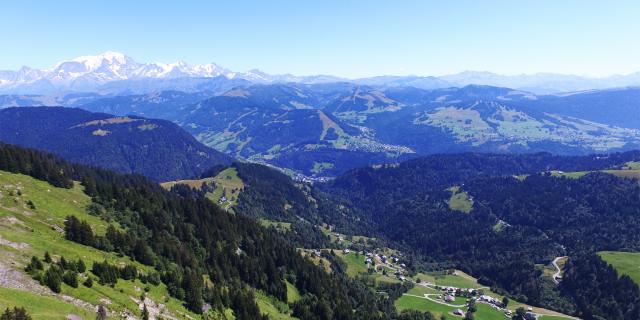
(558, 274)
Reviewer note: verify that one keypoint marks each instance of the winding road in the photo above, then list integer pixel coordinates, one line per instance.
(558, 274)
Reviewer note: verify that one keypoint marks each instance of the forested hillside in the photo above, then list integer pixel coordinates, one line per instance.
(525, 211)
(206, 257)
(157, 149)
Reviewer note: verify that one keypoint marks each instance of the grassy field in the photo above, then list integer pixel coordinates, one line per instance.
(355, 263)
(415, 303)
(293, 294)
(27, 231)
(624, 262)
(460, 280)
(419, 290)
(346, 240)
(630, 171)
(632, 165)
(571, 175)
(274, 309)
(41, 307)
(227, 184)
(460, 201)
(318, 261)
(280, 226)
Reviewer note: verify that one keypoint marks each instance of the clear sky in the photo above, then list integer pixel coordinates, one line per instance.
(341, 37)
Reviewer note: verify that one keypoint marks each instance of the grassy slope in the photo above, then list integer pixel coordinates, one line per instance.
(459, 201)
(355, 263)
(624, 262)
(623, 173)
(273, 308)
(38, 231)
(40, 307)
(460, 280)
(278, 225)
(227, 182)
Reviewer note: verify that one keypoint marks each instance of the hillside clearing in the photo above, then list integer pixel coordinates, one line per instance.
(460, 201)
(627, 263)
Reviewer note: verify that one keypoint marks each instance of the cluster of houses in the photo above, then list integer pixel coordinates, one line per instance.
(449, 294)
(375, 259)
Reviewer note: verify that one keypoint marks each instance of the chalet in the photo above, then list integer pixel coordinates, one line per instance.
(449, 298)
(458, 312)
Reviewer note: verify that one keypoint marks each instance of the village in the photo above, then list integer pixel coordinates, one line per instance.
(452, 290)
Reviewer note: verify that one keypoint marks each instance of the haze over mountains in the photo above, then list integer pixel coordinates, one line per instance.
(110, 71)
(322, 126)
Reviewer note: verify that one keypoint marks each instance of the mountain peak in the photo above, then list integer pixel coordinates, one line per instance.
(110, 57)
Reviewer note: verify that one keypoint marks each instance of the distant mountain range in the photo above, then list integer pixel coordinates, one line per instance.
(113, 72)
(323, 126)
(158, 149)
(327, 129)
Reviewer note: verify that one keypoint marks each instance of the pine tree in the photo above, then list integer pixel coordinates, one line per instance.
(52, 278)
(145, 313)
(80, 266)
(47, 257)
(88, 283)
(34, 265)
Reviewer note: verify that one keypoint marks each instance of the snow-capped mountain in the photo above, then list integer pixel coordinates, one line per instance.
(89, 72)
(115, 73)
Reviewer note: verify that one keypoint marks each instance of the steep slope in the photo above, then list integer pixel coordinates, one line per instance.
(284, 126)
(215, 264)
(155, 148)
(32, 218)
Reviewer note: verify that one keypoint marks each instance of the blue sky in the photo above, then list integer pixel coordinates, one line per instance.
(345, 38)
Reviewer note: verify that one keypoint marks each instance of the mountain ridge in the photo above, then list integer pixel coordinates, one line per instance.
(87, 73)
(158, 149)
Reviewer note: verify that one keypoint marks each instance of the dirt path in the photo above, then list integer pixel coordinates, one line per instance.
(558, 274)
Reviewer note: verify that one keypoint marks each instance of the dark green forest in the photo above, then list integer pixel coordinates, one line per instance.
(186, 236)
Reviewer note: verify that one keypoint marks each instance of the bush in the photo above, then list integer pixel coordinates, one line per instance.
(15, 314)
(71, 278)
(47, 257)
(53, 278)
(88, 283)
(80, 266)
(34, 265)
